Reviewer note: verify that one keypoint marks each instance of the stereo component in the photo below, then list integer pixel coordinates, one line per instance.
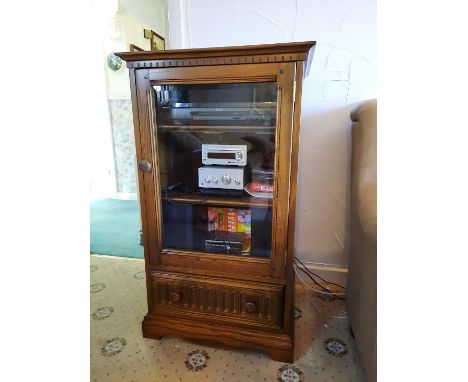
(224, 177)
(227, 155)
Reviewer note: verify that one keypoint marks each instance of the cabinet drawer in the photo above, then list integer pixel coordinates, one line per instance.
(206, 298)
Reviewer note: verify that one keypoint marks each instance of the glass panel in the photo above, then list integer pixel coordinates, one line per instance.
(216, 146)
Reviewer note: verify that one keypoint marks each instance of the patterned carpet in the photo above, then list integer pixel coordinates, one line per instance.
(120, 353)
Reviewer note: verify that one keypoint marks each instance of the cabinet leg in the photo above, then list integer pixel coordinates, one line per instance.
(152, 332)
(152, 335)
(281, 355)
(156, 337)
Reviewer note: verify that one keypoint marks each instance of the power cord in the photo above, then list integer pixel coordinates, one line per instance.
(328, 282)
(324, 290)
(334, 294)
(298, 264)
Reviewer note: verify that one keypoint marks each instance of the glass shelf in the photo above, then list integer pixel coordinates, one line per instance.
(212, 128)
(212, 200)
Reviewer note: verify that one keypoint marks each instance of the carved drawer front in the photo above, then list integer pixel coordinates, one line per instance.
(232, 301)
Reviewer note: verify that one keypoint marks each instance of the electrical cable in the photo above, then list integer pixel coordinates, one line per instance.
(336, 294)
(328, 282)
(312, 278)
(320, 316)
(309, 273)
(325, 291)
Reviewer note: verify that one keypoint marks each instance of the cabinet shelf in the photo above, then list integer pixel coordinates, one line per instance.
(217, 128)
(211, 200)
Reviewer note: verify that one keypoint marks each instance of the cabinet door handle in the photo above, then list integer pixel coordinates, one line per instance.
(250, 307)
(144, 165)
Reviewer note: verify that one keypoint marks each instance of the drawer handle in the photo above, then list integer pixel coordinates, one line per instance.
(250, 307)
(175, 297)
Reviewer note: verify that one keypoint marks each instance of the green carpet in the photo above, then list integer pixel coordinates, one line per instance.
(115, 228)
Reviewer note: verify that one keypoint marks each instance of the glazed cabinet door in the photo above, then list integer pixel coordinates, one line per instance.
(214, 157)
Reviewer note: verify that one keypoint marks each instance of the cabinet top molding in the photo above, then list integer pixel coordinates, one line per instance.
(229, 55)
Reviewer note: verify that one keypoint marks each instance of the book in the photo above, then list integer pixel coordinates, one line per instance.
(261, 187)
(224, 242)
(231, 220)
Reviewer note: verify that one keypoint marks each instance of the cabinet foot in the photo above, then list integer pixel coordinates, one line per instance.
(279, 347)
(153, 332)
(280, 355)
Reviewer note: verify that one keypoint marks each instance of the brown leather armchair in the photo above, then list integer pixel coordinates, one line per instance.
(361, 299)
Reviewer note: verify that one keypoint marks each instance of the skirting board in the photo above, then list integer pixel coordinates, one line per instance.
(330, 272)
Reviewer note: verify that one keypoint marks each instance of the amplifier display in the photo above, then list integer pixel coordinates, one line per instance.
(230, 155)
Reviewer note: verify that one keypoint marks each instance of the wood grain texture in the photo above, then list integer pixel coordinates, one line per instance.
(244, 201)
(233, 264)
(234, 55)
(227, 274)
(290, 276)
(218, 300)
(213, 74)
(141, 181)
(284, 129)
(147, 151)
(232, 300)
(278, 345)
(150, 102)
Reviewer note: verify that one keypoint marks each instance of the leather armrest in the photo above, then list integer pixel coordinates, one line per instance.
(364, 167)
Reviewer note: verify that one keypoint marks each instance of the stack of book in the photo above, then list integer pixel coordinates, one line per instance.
(262, 180)
(235, 221)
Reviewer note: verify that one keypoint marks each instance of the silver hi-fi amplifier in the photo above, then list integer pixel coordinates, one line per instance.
(227, 155)
(224, 177)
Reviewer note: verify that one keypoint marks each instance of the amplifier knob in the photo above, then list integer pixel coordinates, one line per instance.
(215, 180)
(226, 179)
(238, 156)
(207, 179)
(237, 181)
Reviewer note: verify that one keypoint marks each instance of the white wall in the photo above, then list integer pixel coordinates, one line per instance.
(125, 27)
(102, 170)
(150, 12)
(343, 73)
(119, 23)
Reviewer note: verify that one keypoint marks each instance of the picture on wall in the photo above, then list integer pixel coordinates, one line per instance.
(157, 42)
(135, 48)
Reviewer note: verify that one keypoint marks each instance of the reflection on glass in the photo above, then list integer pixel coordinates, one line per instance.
(216, 147)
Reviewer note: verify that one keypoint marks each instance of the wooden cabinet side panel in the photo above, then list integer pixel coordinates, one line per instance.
(147, 152)
(282, 168)
(141, 181)
(290, 275)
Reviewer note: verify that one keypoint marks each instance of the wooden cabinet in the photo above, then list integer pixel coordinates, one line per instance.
(217, 133)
